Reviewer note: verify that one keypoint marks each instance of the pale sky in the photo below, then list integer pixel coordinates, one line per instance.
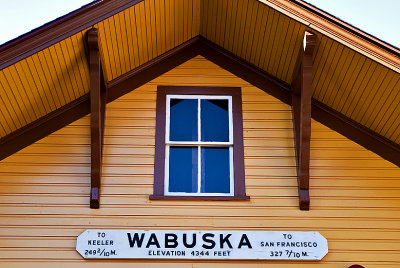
(20, 16)
(380, 18)
(377, 17)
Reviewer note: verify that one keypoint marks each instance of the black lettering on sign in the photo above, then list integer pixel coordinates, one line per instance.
(244, 241)
(187, 245)
(171, 241)
(223, 240)
(153, 241)
(207, 240)
(135, 239)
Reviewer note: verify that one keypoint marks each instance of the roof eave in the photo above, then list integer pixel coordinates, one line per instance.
(225, 59)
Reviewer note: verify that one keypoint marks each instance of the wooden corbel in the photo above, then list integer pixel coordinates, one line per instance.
(98, 96)
(301, 105)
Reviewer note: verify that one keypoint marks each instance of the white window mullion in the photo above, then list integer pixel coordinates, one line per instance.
(198, 121)
(168, 118)
(199, 144)
(231, 171)
(198, 169)
(198, 147)
(166, 171)
(230, 120)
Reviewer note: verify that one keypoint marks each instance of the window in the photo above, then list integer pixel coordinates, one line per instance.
(199, 144)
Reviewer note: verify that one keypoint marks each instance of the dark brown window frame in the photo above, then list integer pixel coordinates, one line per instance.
(238, 151)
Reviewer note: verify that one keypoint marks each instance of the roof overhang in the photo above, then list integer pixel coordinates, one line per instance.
(225, 59)
(44, 74)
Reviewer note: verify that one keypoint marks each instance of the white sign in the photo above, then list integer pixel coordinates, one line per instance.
(179, 244)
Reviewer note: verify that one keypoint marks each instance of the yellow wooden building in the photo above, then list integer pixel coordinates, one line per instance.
(87, 134)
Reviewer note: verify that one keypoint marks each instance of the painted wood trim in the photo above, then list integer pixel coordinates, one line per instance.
(96, 116)
(59, 29)
(305, 119)
(301, 103)
(238, 150)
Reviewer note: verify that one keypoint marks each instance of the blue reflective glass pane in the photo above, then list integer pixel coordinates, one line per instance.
(215, 170)
(183, 169)
(183, 120)
(214, 120)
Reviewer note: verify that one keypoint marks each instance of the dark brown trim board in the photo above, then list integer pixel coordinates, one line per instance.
(238, 151)
(301, 107)
(96, 117)
(59, 29)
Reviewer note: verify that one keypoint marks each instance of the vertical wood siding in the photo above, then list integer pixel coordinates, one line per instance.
(44, 188)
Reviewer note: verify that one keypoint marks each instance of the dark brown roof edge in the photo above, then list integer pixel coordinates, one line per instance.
(378, 144)
(348, 27)
(59, 29)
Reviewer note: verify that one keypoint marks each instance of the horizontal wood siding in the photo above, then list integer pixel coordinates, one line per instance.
(44, 188)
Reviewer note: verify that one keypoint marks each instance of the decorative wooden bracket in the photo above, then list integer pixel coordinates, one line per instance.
(301, 103)
(98, 98)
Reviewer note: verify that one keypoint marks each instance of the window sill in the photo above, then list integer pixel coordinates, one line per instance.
(211, 198)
